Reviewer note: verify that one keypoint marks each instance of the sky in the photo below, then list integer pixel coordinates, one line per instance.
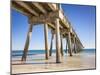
(82, 19)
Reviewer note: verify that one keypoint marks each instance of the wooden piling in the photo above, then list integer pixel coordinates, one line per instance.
(74, 44)
(61, 39)
(66, 46)
(58, 54)
(69, 44)
(50, 53)
(27, 43)
(46, 41)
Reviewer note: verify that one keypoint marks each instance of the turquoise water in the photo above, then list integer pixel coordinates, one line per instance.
(33, 52)
(89, 50)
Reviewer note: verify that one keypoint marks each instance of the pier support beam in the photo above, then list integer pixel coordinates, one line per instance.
(66, 45)
(46, 41)
(76, 47)
(61, 38)
(58, 52)
(69, 44)
(50, 53)
(74, 44)
(27, 43)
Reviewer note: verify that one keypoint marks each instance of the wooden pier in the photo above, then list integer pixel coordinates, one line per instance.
(52, 16)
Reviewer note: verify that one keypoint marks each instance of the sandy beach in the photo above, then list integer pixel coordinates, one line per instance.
(37, 63)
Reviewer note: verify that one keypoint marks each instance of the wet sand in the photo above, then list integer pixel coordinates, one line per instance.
(37, 63)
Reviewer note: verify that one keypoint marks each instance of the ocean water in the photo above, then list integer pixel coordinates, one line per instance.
(92, 51)
(33, 52)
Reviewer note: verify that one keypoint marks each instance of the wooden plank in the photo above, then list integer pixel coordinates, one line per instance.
(50, 18)
(19, 9)
(52, 6)
(40, 7)
(24, 5)
(51, 25)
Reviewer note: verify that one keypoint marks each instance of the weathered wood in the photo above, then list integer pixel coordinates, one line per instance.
(52, 6)
(79, 42)
(26, 7)
(78, 46)
(66, 46)
(69, 44)
(51, 26)
(27, 43)
(51, 44)
(43, 18)
(74, 45)
(21, 10)
(61, 39)
(40, 7)
(58, 52)
(46, 41)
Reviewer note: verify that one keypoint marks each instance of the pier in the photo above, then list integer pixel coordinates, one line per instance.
(52, 16)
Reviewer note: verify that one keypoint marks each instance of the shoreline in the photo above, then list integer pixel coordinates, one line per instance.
(37, 63)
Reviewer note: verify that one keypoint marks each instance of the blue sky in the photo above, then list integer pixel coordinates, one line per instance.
(81, 17)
